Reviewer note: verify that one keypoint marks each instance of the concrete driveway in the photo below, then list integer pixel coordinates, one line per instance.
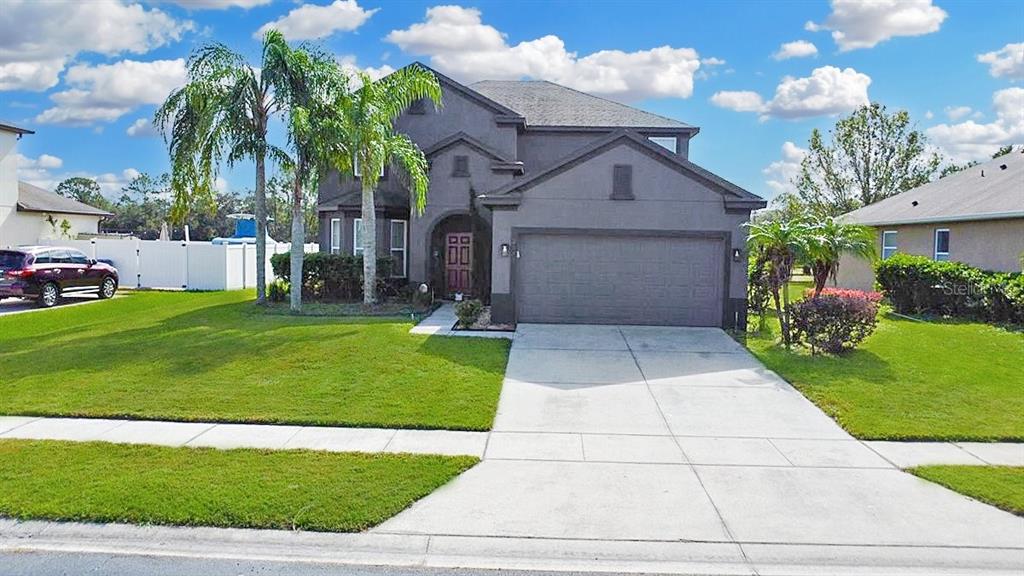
(679, 434)
(17, 305)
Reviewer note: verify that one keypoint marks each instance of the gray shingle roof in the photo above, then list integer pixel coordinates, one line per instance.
(963, 196)
(35, 199)
(545, 103)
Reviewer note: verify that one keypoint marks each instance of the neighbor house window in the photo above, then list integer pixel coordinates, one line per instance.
(460, 167)
(357, 236)
(399, 230)
(942, 244)
(666, 142)
(888, 243)
(357, 171)
(335, 235)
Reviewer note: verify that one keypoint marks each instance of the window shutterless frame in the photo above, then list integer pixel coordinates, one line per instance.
(357, 236)
(399, 248)
(335, 235)
(941, 244)
(889, 238)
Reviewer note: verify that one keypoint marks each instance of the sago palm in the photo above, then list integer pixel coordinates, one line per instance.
(782, 243)
(221, 114)
(370, 117)
(829, 239)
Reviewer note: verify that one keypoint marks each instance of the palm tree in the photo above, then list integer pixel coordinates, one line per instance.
(781, 243)
(828, 240)
(374, 144)
(314, 91)
(221, 114)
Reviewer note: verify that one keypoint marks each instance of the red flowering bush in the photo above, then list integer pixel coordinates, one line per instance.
(875, 297)
(834, 323)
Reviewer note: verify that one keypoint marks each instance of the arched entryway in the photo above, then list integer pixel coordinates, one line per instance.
(459, 256)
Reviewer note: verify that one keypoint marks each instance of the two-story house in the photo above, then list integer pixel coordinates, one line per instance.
(557, 206)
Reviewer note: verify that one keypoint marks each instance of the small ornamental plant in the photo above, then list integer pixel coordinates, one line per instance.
(834, 323)
(468, 312)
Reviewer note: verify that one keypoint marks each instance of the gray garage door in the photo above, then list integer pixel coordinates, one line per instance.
(603, 279)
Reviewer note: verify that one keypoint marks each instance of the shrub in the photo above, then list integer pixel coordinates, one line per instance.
(468, 312)
(833, 323)
(875, 297)
(916, 284)
(333, 276)
(277, 291)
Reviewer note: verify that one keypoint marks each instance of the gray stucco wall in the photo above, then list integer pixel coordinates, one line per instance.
(540, 148)
(666, 200)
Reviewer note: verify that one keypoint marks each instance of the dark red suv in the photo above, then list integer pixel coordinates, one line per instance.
(44, 273)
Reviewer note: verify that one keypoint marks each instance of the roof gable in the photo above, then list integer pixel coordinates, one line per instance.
(735, 197)
(463, 138)
(502, 112)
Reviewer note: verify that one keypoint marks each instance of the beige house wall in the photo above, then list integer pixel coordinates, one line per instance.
(986, 244)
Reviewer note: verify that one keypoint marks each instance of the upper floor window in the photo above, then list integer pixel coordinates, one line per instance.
(667, 142)
(942, 244)
(888, 243)
(460, 166)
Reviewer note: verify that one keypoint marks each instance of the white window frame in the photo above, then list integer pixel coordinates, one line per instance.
(357, 172)
(662, 140)
(935, 251)
(894, 247)
(335, 239)
(356, 225)
(404, 249)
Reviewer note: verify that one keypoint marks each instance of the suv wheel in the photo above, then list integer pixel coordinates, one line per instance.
(49, 295)
(107, 288)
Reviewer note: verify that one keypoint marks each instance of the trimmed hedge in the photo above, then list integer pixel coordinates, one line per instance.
(916, 284)
(333, 276)
(834, 322)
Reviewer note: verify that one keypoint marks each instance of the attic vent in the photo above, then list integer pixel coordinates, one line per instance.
(622, 182)
(460, 168)
(418, 107)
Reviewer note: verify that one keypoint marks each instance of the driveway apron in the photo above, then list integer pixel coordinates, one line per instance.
(679, 434)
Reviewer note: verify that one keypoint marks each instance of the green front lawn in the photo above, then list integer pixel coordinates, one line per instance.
(1001, 486)
(913, 381)
(217, 357)
(286, 490)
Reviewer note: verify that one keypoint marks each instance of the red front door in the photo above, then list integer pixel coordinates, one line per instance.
(458, 262)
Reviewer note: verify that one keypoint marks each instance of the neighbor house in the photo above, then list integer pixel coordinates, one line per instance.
(975, 216)
(557, 206)
(28, 213)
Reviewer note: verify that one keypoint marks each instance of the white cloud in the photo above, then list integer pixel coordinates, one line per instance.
(460, 44)
(217, 4)
(738, 100)
(795, 49)
(37, 39)
(863, 24)
(142, 128)
(39, 172)
(349, 65)
(827, 91)
(973, 141)
(957, 112)
(310, 21)
(106, 92)
(1007, 61)
(928, 115)
(780, 174)
(221, 185)
(712, 61)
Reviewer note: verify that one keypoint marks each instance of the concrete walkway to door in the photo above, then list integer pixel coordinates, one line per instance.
(654, 434)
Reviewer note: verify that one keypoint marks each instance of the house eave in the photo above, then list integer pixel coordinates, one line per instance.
(1013, 214)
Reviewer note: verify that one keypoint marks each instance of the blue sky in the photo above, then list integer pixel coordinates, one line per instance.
(83, 74)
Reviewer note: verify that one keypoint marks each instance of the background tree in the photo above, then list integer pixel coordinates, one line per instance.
(827, 241)
(222, 113)
(780, 243)
(374, 144)
(84, 190)
(872, 155)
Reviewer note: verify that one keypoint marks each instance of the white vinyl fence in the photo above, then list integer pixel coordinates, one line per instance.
(180, 265)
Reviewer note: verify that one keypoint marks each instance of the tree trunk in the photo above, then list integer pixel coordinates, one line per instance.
(261, 229)
(298, 240)
(369, 248)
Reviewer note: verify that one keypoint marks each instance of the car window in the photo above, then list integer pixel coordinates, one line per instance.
(43, 258)
(60, 257)
(10, 260)
(77, 257)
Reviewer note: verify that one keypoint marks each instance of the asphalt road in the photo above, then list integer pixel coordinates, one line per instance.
(79, 564)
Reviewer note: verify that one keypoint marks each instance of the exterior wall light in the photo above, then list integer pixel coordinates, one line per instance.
(504, 250)
(737, 255)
